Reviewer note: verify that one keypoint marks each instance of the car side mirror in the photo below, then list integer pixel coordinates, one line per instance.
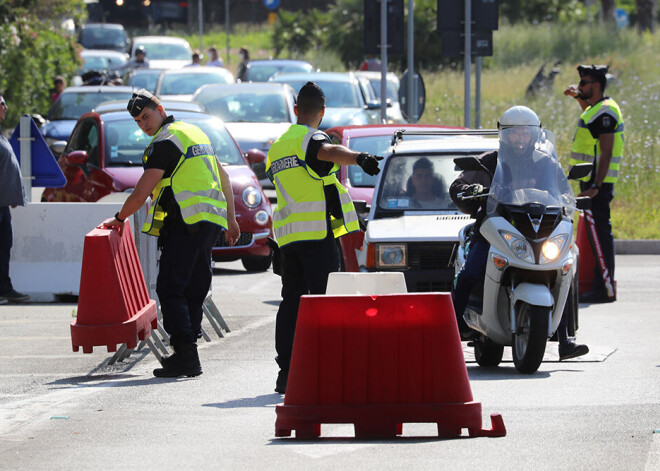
(583, 202)
(257, 161)
(77, 157)
(373, 105)
(579, 171)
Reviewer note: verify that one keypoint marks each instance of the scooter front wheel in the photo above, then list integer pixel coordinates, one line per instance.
(530, 338)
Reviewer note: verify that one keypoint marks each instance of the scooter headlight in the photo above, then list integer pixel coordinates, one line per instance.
(519, 246)
(553, 247)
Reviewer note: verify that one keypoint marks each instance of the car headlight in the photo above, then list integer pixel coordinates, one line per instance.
(553, 247)
(251, 197)
(519, 246)
(391, 255)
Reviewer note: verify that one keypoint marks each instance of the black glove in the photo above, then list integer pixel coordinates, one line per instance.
(474, 189)
(368, 163)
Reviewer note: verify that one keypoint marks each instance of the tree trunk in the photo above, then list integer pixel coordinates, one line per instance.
(607, 9)
(646, 12)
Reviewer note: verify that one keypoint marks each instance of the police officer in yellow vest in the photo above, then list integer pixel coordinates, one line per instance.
(192, 203)
(313, 208)
(598, 140)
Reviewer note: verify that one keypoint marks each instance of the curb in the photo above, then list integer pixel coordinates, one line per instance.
(637, 247)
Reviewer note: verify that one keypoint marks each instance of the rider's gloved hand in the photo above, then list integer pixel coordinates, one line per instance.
(474, 189)
(368, 163)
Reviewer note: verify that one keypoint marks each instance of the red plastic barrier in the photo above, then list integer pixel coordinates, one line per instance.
(587, 261)
(113, 304)
(378, 362)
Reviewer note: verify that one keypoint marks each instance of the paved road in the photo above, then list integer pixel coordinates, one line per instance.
(64, 410)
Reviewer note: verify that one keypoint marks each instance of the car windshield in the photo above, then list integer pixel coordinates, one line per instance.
(337, 94)
(239, 107)
(125, 142)
(101, 63)
(74, 105)
(166, 51)
(417, 183)
(392, 89)
(103, 38)
(531, 175)
(187, 83)
(145, 78)
(263, 72)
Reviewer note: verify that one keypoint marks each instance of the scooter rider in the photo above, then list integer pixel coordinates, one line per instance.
(519, 128)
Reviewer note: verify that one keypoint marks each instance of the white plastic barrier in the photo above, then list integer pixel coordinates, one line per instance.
(340, 283)
(46, 258)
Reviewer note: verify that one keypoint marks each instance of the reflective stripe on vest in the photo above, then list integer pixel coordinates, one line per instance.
(301, 207)
(195, 181)
(586, 148)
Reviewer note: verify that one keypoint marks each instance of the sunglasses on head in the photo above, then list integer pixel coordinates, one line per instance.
(584, 82)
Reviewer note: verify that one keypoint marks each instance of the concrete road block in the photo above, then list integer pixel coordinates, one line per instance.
(46, 258)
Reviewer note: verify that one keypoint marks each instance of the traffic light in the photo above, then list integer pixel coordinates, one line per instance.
(395, 26)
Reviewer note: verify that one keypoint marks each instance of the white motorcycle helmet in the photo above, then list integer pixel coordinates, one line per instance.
(519, 120)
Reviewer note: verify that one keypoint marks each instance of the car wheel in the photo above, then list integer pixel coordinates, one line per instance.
(256, 263)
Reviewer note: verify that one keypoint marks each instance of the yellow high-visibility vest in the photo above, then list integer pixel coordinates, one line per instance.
(195, 180)
(301, 206)
(586, 148)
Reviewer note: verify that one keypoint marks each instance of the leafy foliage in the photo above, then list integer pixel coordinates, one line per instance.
(33, 51)
(298, 32)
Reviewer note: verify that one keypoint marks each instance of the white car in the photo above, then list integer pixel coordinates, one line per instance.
(394, 114)
(164, 52)
(413, 224)
(181, 84)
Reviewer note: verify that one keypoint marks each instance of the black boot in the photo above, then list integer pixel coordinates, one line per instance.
(569, 349)
(184, 362)
(282, 379)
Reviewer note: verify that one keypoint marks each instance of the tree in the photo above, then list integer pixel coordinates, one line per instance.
(33, 49)
(608, 7)
(646, 13)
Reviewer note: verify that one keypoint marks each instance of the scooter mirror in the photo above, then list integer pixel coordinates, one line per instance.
(579, 171)
(468, 163)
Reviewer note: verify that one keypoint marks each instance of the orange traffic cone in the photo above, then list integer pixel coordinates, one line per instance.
(378, 362)
(113, 304)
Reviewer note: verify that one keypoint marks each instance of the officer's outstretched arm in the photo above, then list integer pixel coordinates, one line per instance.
(233, 231)
(337, 154)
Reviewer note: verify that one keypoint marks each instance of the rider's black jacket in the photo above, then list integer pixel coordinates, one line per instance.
(476, 208)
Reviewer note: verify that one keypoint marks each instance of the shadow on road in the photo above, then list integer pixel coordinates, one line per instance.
(259, 401)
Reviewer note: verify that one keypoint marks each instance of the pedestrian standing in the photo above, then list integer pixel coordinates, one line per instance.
(12, 193)
(241, 73)
(214, 59)
(313, 208)
(598, 140)
(192, 202)
(59, 84)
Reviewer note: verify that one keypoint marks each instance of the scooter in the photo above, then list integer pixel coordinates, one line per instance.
(532, 259)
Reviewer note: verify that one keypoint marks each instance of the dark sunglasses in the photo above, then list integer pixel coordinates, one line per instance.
(584, 82)
(3, 102)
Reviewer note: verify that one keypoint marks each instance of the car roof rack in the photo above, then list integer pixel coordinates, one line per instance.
(399, 133)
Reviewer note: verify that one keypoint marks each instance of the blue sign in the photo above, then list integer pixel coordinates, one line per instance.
(272, 4)
(621, 17)
(45, 170)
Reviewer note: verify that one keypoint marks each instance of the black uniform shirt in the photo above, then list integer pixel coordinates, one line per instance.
(606, 123)
(322, 169)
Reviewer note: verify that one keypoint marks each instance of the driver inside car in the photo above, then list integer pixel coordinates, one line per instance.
(519, 128)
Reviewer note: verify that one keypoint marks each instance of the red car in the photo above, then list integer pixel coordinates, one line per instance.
(104, 156)
(375, 139)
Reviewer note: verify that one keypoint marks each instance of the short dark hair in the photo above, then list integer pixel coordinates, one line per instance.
(424, 163)
(140, 100)
(311, 98)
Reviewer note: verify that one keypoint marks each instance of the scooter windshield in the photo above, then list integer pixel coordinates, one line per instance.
(530, 175)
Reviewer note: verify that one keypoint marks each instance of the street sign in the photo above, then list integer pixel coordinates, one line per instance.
(419, 96)
(395, 28)
(272, 4)
(45, 171)
(485, 15)
(453, 44)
